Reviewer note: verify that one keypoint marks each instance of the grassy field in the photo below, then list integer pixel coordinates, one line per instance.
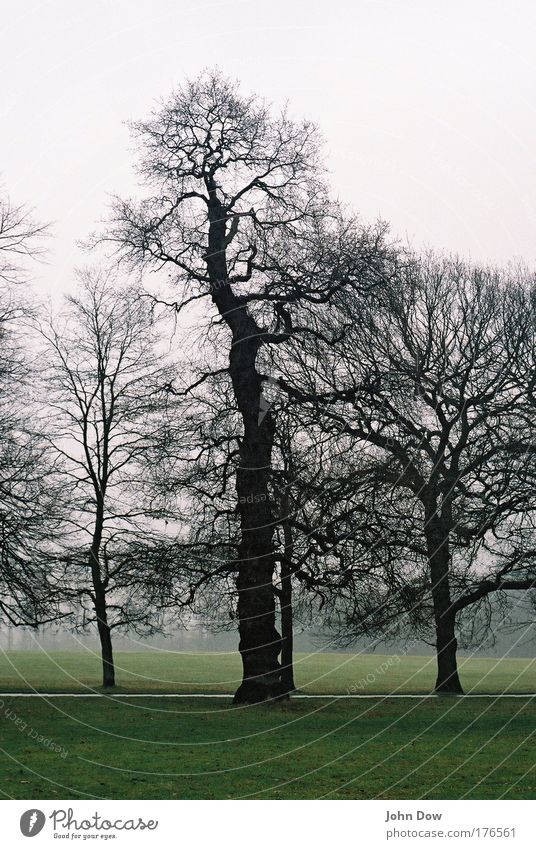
(322, 673)
(376, 747)
(349, 749)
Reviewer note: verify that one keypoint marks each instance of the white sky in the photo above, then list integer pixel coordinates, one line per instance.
(427, 106)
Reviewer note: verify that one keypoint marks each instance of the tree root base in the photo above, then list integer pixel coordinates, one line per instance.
(257, 692)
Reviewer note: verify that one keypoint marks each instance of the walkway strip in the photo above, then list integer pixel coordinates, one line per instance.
(230, 696)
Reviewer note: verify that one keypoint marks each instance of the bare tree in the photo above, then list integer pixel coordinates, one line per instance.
(29, 515)
(105, 380)
(237, 214)
(20, 239)
(28, 496)
(425, 383)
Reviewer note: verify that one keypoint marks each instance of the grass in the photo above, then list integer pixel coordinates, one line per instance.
(180, 749)
(321, 673)
(376, 747)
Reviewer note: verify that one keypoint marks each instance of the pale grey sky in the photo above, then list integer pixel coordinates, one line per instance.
(427, 106)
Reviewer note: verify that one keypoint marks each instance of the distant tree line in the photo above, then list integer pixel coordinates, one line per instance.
(257, 408)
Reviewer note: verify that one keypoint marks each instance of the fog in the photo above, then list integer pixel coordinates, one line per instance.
(515, 642)
(427, 111)
(427, 108)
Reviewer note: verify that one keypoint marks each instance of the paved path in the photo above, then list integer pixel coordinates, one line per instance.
(230, 696)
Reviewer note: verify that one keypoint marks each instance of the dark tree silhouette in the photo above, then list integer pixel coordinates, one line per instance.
(432, 381)
(20, 240)
(105, 382)
(28, 505)
(237, 213)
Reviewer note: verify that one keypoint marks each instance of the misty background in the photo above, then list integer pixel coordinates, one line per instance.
(427, 111)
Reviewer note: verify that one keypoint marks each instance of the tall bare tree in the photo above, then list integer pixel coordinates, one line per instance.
(105, 380)
(237, 213)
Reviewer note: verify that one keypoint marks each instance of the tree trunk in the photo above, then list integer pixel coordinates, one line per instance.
(437, 538)
(287, 632)
(448, 680)
(105, 636)
(260, 643)
(285, 600)
(99, 590)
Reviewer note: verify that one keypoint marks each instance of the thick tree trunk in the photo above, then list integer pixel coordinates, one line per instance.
(260, 643)
(437, 538)
(448, 680)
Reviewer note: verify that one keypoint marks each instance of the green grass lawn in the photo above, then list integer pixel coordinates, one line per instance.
(321, 673)
(196, 749)
(188, 749)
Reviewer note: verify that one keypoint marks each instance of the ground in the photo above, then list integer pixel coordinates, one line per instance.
(320, 673)
(151, 748)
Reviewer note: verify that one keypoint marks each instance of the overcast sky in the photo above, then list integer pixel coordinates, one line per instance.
(427, 107)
